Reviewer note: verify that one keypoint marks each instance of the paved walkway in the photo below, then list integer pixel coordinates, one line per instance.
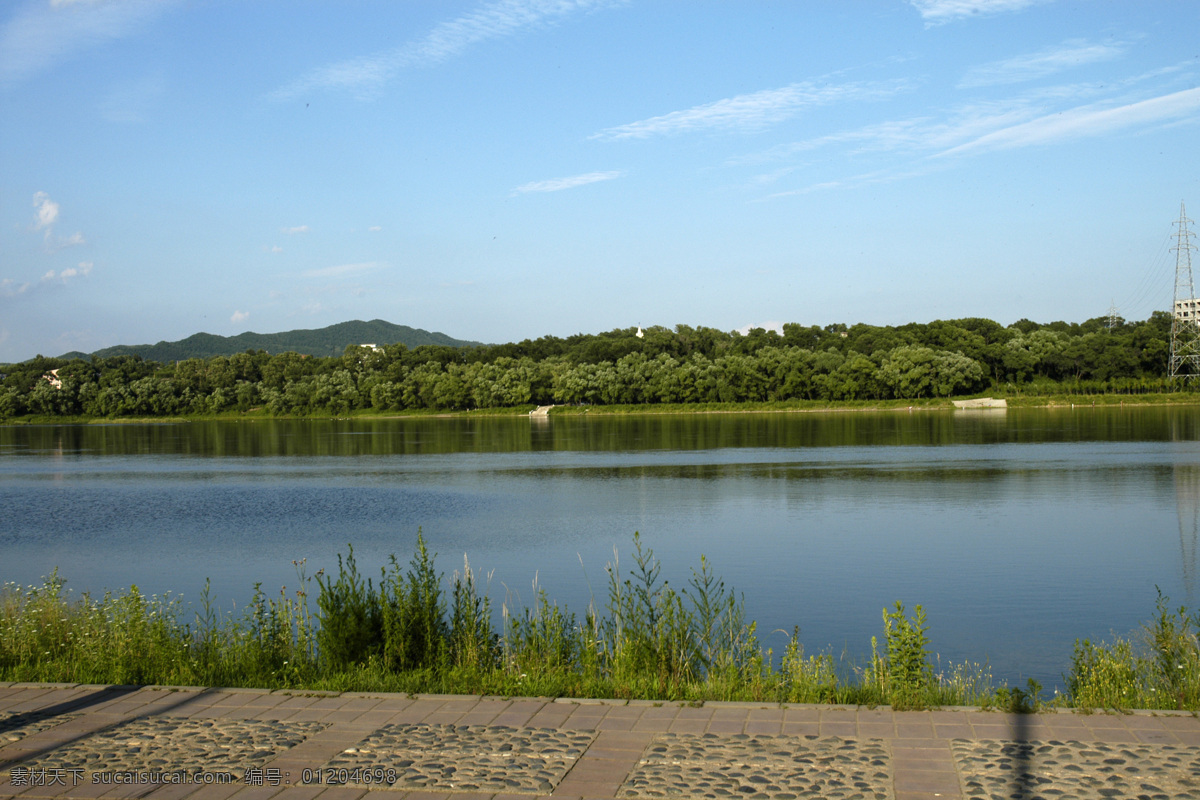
(96, 741)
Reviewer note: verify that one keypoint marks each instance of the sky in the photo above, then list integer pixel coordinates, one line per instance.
(506, 170)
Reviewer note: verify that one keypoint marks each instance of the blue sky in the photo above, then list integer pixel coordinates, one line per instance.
(503, 170)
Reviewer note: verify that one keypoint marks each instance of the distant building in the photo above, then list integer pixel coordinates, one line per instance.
(1188, 310)
(53, 379)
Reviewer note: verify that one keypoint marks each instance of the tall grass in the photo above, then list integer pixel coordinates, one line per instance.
(1157, 667)
(411, 629)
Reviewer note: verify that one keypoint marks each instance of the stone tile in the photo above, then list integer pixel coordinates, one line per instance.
(299, 792)
(941, 782)
(354, 793)
(691, 713)
(615, 724)
(765, 715)
(876, 730)
(176, 791)
(838, 714)
(845, 730)
(688, 726)
(725, 726)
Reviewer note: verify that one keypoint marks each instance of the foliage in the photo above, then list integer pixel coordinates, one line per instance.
(1157, 668)
(686, 366)
(416, 631)
(904, 677)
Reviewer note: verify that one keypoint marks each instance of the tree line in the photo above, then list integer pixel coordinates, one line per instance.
(943, 358)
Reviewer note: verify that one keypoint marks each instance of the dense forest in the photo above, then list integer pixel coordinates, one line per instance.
(329, 341)
(685, 365)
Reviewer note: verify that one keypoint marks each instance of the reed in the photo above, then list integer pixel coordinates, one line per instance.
(413, 630)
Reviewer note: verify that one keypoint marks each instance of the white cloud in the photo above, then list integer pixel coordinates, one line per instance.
(43, 34)
(1030, 66)
(1087, 121)
(375, 228)
(754, 110)
(558, 184)
(74, 240)
(239, 316)
(343, 270)
(10, 288)
(45, 216)
(276, 249)
(293, 231)
(84, 268)
(47, 210)
(937, 12)
(365, 76)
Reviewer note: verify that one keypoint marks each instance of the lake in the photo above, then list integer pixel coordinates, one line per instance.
(1018, 531)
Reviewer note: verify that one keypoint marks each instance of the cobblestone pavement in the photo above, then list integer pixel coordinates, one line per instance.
(781, 767)
(171, 742)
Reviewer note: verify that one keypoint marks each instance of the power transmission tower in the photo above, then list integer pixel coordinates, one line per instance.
(1185, 317)
(1114, 316)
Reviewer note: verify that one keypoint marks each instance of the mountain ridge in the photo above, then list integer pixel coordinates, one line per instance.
(331, 340)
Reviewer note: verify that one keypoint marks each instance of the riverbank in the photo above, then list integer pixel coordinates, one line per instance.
(766, 407)
(410, 630)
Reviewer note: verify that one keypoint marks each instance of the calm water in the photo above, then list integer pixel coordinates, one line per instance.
(1017, 531)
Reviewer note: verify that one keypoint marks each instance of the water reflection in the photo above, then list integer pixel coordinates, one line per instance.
(1187, 503)
(1018, 532)
(579, 433)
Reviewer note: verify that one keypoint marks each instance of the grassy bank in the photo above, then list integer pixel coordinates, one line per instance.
(412, 630)
(1023, 399)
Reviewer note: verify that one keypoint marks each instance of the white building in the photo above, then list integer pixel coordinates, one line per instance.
(1188, 310)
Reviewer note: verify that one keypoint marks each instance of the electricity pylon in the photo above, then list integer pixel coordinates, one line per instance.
(1185, 312)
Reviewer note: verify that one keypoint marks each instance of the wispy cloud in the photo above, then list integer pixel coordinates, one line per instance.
(1038, 118)
(1087, 121)
(294, 230)
(917, 134)
(45, 216)
(239, 316)
(1031, 66)
(342, 270)
(367, 75)
(558, 184)
(84, 268)
(756, 109)
(11, 288)
(938, 12)
(43, 34)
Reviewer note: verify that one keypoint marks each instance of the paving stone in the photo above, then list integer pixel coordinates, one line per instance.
(761, 768)
(15, 726)
(461, 758)
(160, 744)
(1078, 770)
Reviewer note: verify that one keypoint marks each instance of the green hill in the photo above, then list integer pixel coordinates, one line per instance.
(330, 341)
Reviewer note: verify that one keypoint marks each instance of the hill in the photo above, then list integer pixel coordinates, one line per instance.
(330, 341)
